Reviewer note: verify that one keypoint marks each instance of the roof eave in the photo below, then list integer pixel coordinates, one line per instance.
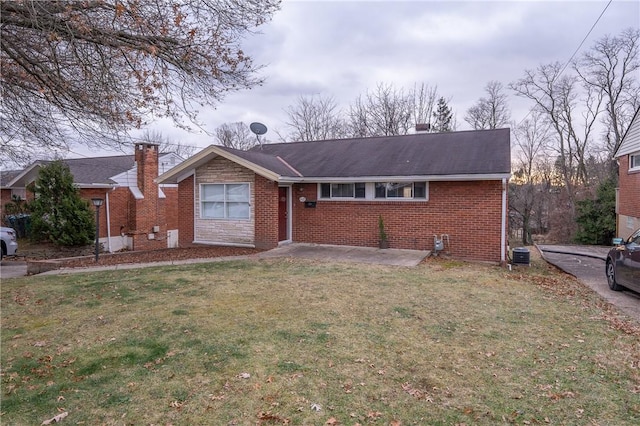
(412, 178)
(95, 185)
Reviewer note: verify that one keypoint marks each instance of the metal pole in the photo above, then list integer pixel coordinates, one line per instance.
(97, 231)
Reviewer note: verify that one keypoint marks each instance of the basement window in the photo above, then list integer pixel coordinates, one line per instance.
(225, 201)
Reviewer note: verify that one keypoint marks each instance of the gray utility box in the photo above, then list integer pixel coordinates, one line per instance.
(521, 256)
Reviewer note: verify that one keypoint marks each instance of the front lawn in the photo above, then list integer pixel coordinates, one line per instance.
(302, 342)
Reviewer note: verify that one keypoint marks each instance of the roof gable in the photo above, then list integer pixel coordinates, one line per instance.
(631, 139)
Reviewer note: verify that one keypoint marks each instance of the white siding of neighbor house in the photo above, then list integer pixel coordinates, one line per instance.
(631, 141)
(224, 231)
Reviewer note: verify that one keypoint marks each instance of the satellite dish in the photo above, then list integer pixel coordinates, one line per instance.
(258, 128)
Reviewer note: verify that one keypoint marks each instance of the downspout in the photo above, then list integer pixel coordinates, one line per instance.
(503, 225)
(108, 222)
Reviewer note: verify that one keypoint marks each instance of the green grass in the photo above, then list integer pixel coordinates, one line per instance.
(261, 342)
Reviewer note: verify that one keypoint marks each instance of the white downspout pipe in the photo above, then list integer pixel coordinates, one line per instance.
(503, 225)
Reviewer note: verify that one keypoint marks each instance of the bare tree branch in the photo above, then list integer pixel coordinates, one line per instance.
(235, 135)
(89, 71)
(610, 66)
(491, 112)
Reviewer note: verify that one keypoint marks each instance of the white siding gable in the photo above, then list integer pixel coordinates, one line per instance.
(631, 140)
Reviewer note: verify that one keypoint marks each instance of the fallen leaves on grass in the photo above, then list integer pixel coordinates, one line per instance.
(416, 393)
(55, 419)
(268, 417)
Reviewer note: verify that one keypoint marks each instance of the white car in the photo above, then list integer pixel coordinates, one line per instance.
(9, 241)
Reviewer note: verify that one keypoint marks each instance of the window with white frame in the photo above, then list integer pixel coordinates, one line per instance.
(634, 161)
(225, 201)
(343, 190)
(394, 190)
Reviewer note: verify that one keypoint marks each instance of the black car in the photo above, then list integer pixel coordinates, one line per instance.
(623, 263)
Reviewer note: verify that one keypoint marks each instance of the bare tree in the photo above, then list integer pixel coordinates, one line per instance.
(611, 66)
(235, 135)
(491, 112)
(315, 118)
(423, 99)
(384, 111)
(531, 139)
(168, 145)
(571, 114)
(89, 71)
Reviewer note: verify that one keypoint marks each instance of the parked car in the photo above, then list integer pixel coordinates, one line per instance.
(9, 242)
(623, 263)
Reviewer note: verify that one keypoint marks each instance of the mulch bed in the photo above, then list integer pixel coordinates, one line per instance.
(108, 259)
(159, 256)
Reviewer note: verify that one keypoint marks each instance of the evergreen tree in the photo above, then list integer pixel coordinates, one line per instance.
(58, 214)
(443, 117)
(597, 217)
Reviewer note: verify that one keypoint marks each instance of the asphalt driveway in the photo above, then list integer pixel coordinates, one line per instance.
(587, 263)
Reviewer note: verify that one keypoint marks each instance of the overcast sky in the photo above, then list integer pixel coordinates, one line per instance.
(343, 48)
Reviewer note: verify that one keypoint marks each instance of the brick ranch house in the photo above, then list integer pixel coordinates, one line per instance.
(334, 192)
(628, 191)
(137, 213)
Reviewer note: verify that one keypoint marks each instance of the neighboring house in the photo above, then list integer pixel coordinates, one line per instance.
(628, 193)
(333, 192)
(137, 214)
(6, 193)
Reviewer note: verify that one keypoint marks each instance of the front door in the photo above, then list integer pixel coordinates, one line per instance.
(283, 213)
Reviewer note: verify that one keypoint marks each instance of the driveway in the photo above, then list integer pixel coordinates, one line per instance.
(587, 263)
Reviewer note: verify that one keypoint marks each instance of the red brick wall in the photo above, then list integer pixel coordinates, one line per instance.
(266, 213)
(5, 197)
(172, 207)
(120, 206)
(470, 212)
(629, 192)
(88, 194)
(186, 214)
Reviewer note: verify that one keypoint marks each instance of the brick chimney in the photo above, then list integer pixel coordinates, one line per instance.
(148, 229)
(147, 162)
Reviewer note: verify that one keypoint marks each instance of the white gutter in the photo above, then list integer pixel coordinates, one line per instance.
(108, 222)
(503, 225)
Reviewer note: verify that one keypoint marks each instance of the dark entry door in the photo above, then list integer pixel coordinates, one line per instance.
(282, 213)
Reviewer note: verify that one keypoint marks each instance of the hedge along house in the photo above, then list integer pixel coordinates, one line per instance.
(335, 191)
(137, 213)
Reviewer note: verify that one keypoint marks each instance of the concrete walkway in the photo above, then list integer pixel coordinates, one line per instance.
(394, 257)
(333, 253)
